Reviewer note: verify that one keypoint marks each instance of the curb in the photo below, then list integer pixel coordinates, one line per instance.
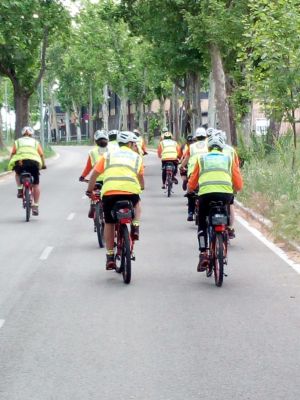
(265, 222)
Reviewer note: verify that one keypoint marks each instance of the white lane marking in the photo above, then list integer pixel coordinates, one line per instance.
(71, 216)
(2, 322)
(45, 254)
(277, 250)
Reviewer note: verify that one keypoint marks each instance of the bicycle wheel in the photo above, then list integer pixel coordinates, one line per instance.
(98, 225)
(218, 259)
(169, 185)
(27, 204)
(125, 256)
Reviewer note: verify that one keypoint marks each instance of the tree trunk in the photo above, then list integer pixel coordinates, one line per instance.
(105, 107)
(211, 103)
(91, 127)
(77, 122)
(218, 76)
(187, 104)
(232, 121)
(124, 100)
(53, 116)
(68, 128)
(175, 119)
(21, 100)
(196, 101)
(141, 116)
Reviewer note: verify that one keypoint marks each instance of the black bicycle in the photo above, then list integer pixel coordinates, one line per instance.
(217, 225)
(170, 168)
(26, 180)
(98, 214)
(123, 214)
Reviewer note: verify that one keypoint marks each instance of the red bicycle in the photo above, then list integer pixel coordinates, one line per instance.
(123, 213)
(26, 180)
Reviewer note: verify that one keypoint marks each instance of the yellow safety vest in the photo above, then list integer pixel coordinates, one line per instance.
(26, 149)
(196, 149)
(121, 170)
(215, 175)
(169, 149)
(95, 154)
(229, 151)
(112, 146)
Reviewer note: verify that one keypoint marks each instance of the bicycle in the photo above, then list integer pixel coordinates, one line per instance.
(217, 223)
(123, 214)
(26, 180)
(170, 168)
(98, 215)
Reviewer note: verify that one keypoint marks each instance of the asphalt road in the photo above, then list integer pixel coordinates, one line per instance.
(72, 330)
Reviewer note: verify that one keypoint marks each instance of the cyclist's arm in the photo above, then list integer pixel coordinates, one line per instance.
(186, 158)
(179, 152)
(194, 178)
(159, 151)
(140, 176)
(87, 168)
(13, 151)
(237, 179)
(98, 169)
(41, 154)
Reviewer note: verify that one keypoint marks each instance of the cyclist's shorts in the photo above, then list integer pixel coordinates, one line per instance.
(30, 166)
(109, 202)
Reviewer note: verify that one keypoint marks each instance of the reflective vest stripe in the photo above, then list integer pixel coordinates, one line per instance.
(133, 169)
(120, 178)
(216, 183)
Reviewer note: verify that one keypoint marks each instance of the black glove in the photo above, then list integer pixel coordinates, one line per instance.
(81, 178)
(88, 193)
(44, 167)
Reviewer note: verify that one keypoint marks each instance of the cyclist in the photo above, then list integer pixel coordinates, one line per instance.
(169, 151)
(123, 179)
(140, 144)
(163, 131)
(196, 149)
(217, 175)
(27, 155)
(231, 152)
(112, 137)
(101, 139)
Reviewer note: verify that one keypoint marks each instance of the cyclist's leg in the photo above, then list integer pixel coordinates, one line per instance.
(135, 227)
(175, 163)
(164, 172)
(18, 170)
(33, 168)
(231, 231)
(109, 229)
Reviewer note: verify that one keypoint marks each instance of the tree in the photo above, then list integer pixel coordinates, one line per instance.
(27, 27)
(271, 54)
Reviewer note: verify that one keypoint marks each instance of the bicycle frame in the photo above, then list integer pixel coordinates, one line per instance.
(124, 217)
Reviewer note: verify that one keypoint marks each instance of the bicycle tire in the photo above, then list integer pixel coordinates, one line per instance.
(219, 259)
(27, 204)
(126, 255)
(98, 225)
(169, 185)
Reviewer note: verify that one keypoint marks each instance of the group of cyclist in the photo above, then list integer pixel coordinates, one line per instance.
(208, 166)
(210, 171)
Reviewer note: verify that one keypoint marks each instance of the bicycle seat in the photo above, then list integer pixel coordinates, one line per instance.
(24, 176)
(98, 186)
(123, 210)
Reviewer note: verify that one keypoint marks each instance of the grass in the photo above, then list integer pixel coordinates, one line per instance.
(3, 165)
(272, 189)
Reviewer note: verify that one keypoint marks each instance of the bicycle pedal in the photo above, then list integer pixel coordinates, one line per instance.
(132, 258)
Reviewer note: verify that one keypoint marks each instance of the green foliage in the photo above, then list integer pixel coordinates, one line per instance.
(24, 26)
(271, 54)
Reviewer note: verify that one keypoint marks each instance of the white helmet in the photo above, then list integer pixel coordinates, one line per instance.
(137, 132)
(101, 134)
(27, 129)
(216, 140)
(221, 133)
(126, 137)
(164, 129)
(210, 131)
(200, 133)
(113, 132)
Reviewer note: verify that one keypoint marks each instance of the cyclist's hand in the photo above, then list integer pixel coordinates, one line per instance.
(81, 178)
(88, 193)
(44, 167)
